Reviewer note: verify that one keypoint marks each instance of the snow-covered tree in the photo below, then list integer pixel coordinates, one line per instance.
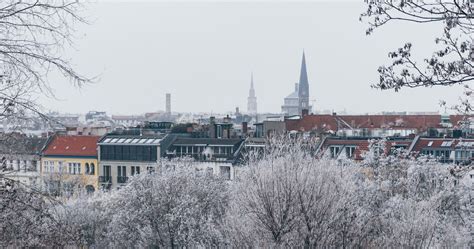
(285, 197)
(175, 207)
(453, 60)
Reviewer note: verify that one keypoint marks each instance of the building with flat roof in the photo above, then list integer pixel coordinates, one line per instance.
(215, 156)
(124, 155)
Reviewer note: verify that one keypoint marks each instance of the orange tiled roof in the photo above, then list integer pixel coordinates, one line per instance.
(72, 146)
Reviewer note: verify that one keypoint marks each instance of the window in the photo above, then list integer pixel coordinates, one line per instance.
(146, 153)
(51, 166)
(350, 151)
(74, 168)
(150, 169)
(87, 168)
(34, 163)
(60, 167)
(130, 152)
(133, 153)
(446, 144)
(122, 174)
(77, 168)
(107, 174)
(140, 152)
(45, 166)
(135, 170)
(70, 168)
(119, 152)
(92, 169)
(334, 151)
(121, 170)
(126, 152)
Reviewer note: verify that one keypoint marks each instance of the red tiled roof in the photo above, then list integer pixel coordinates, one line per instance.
(362, 145)
(312, 122)
(330, 122)
(72, 146)
(436, 143)
(421, 122)
(456, 119)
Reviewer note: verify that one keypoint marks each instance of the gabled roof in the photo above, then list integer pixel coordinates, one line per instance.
(393, 121)
(72, 146)
(21, 144)
(312, 122)
(441, 143)
(361, 145)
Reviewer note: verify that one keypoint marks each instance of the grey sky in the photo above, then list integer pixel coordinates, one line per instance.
(204, 52)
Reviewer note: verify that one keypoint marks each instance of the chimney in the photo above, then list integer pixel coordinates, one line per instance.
(244, 127)
(168, 103)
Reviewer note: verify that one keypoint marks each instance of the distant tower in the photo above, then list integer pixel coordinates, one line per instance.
(168, 103)
(252, 100)
(303, 92)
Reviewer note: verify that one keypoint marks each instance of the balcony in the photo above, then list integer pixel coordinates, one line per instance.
(122, 179)
(105, 179)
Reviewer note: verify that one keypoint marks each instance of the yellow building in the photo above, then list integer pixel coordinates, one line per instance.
(69, 163)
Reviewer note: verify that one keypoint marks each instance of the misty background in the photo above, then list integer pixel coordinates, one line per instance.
(203, 53)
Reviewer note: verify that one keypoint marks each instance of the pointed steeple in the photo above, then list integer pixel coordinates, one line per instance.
(252, 99)
(252, 90)
(303, 90)
(304, 74)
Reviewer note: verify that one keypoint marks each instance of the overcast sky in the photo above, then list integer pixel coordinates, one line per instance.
(204, 52)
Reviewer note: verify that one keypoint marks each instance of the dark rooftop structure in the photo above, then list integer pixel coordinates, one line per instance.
(206, 149)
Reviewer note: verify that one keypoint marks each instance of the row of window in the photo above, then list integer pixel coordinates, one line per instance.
(21, 165)
(442, 154)
(206, 150)
(224, 171)
(128, 153)
(121, 173)
(122, 170)
(446, 154)
(72, 168)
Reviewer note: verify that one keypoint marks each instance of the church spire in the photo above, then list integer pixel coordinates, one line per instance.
(252, 99)
(304, 73)
(303, 92)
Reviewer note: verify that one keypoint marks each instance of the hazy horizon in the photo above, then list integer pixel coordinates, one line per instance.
(204, 52)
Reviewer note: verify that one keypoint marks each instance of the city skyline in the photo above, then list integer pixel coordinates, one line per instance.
(146, 56)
